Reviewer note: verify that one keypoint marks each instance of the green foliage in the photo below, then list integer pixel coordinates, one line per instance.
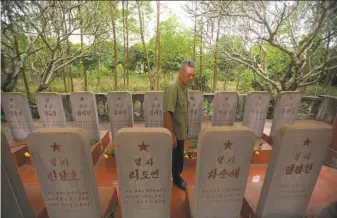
(76, 72)
(206, 80)
(105, 71)
(245, 81)
(56, 86)
(175, 44)
(321, 90)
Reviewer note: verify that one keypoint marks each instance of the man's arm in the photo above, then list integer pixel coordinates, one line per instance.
(170, 101)
(168, 125)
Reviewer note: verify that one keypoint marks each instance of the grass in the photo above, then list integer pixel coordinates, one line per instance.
(320, 90)
(137, 83)
(140, 83)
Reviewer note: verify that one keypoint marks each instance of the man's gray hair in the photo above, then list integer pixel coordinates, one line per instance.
(187, 63)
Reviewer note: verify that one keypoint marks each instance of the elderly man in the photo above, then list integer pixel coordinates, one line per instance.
(176, 117)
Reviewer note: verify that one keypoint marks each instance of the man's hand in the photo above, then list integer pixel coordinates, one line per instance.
(168, 125)
(174, 141)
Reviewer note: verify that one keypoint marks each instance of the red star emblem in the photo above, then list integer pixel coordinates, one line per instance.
(55, 146)
(143, 147)
(306, 142)
(228, 145)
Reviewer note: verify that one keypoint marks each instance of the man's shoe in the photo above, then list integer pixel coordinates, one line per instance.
(182, 185)
(183, 181)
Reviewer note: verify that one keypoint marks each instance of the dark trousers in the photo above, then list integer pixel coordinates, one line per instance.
(178, 161)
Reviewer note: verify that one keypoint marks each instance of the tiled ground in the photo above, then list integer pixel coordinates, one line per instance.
(325, 190)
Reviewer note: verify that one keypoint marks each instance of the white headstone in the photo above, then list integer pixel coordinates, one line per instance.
(14, 199)
(120, 111)
(144, 171)
(51, 109)
(65, 171)
(196, 101)
(153, 109)
(17, 113)
(224, 156)
(225, 104)
(295, 163)
(256, 109)
(286, 109)
(84, 110)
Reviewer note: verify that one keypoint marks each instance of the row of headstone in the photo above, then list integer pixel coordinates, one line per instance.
(224, 156)
(84, 111)
(65, 171)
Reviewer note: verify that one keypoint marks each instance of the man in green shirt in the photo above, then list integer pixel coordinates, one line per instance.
(176, 117)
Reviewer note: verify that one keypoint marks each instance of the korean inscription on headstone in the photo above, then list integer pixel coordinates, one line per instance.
(225, 104)
(286, 109)
(293, 169)
(195, 110)
(84, 112)
(51, 110)
(153, 109)
(120, 111)
(144, 166)
(224, 155)
(65, 171)
(18, 115)
(256, 109)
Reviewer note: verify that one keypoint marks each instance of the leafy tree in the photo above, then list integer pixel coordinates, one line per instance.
(292, 27)
(176, 43)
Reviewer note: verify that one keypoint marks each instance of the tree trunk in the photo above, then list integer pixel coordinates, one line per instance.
(24, 77)
(158, 46)
(64, 74)
(21, 67)
(328, 77)
(127, 44)
(144, 46)
(195, 30)
(215, 70)
(69, 82)
(115, 40)
(200, 75)
(123, 21)
(71, 78)
(68, 53)
(82, 59)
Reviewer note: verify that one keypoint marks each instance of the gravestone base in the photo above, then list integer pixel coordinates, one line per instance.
(110, 162)
(98, 148)
(331, 158)
(319, 199)
(36, 201)
(106, 138)
(265, 137)
(190, 197)
(263, 155)
(18, 149)
(108, 199)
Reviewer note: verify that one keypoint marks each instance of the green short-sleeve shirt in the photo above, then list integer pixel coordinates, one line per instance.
(176, 101)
